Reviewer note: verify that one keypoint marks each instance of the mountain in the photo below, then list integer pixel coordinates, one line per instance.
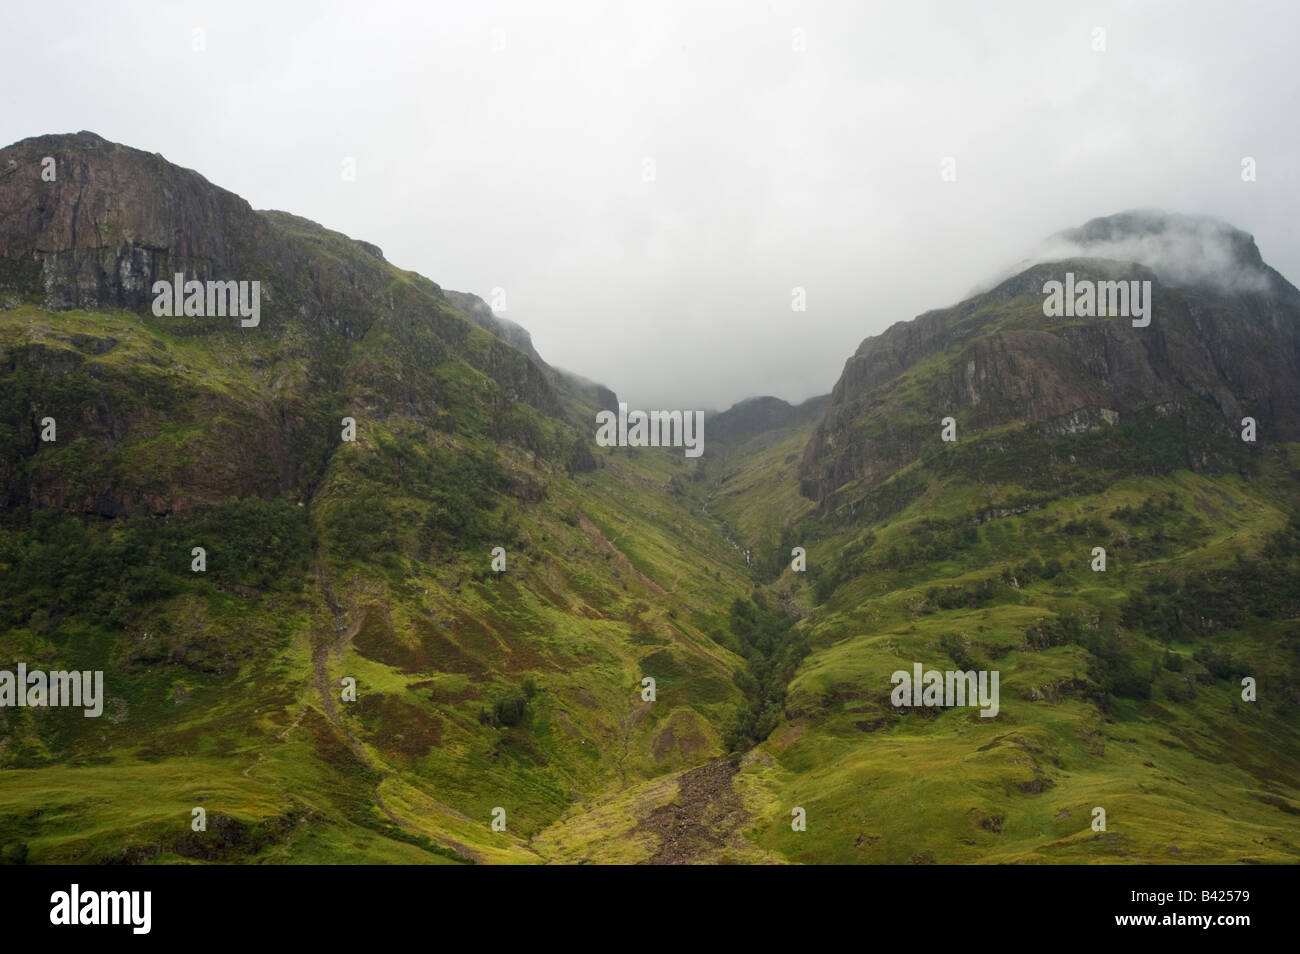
(759, 415)
(1211, 355)
(344, 333)
(1157, 687)
(345, 671)
(326, 558)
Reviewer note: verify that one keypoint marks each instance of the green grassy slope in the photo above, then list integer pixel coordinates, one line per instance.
(475, 689)
(521, 690)
(1119, 689)
(353, 677)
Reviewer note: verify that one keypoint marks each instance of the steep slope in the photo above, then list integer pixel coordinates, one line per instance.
(1216, 349)
(1120, 689)
(326, 559)
(485, 694)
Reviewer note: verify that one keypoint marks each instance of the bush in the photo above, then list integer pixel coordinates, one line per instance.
(510, 710)
(970, 596)
(1218, 662)
(14, 853)
(1132, 685)
(956, 648)
(1179, 689)
(1058, 631)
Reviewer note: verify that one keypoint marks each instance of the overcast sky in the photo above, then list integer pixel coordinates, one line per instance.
(505, 145)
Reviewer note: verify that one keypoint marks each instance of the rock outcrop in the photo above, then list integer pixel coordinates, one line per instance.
(341, 332)
(1223, 344)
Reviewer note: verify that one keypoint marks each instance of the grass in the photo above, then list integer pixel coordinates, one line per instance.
(224, 689)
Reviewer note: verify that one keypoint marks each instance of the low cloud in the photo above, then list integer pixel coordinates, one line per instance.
(1182, 250)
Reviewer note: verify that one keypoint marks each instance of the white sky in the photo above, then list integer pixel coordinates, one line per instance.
(521, 167)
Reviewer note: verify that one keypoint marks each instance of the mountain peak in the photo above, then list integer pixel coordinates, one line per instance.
(760, 414)
(1190, 250)
(1224, 344)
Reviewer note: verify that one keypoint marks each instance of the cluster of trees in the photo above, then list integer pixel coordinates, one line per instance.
(1151, 512)
(1031, 570)
(511, 708)
(772, 555)
(970, 596)
(1168, 523)
(1056, 631)
(458, 490)
(1092, 529)
(1172, 610)
(853, 560)
(930, 541)
(1149, 546)
(102, 572)
(1115, 671)
(462, 492)
(958, 650)
(772, 651)
(1208, 601)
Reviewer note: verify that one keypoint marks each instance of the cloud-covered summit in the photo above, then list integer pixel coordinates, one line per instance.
(1188, 250)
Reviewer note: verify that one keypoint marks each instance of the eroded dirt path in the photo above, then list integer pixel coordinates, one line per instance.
(323, 647)
(603, 544)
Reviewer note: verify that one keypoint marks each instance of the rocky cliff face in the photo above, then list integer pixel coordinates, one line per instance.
(341, 332)
(1223, 343)
(112, 220)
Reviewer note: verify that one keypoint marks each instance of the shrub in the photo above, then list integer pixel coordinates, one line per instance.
(14, 853)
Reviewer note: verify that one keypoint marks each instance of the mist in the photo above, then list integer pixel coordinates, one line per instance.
(649, 188)
(1182, 250)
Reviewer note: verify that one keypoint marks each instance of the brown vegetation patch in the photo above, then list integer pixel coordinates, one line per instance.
(398, 727)
(442, 654)
(327, 741)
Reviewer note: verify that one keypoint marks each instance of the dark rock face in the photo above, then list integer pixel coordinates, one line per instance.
(1226, 352)
(115, 219)
(342, 332)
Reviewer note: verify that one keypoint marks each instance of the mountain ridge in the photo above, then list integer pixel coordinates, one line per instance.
(500, 590)
(1237, 351)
